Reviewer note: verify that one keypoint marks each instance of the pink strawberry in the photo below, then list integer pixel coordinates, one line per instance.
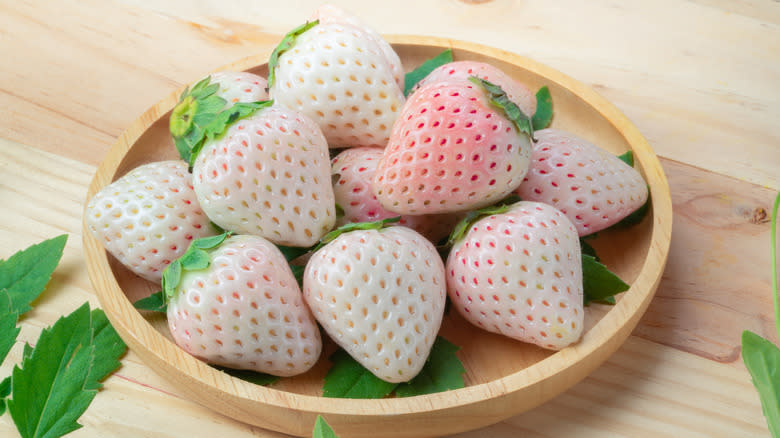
(148, 217)
(237, 87)
(245, 310)
(592, 187)
(519, 274)
(341, 76)
(380, 295)
(269, 175)
(353, 171)
(515, 90)
(451, 150)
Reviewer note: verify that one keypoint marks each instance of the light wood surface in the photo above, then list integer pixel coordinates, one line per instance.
(699, 79)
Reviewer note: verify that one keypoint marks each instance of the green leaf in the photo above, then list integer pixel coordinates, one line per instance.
(25, 274)
(291, 253)
(500, 100)
(442, 371)
(298, 271)
(346, 228)
(322, 429)
(58, 379)
(49, 391)
(627, 157)
(261, 379)
(415, 76)
(462, 227)
(348, 379)
(762, 359)
(544, 109)
(8, 329)
(109, 347)
(194, 259)
(154, 303)
(286, 44)
(5, 391)
(587, 249)
(599, 283)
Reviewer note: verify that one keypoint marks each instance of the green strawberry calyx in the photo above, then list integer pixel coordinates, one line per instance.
(201, 115)
(473, 216)
(286, 44)
(346, 228)
(194, 259)
(498, 98)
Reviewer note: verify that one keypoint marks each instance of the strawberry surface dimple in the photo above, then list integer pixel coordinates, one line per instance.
(519, 274)
(245, 311)
(268, 175)
(380, 295)
(148, 217)
(594, 188)
(450, 151)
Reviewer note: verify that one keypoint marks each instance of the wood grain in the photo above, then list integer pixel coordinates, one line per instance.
(699, 78)
(644, 389)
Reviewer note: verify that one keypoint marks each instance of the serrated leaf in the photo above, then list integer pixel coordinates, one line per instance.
(599, 283)
(153, 303)
(25, 274)
(498, 98)
(49, 390)
(109, 347)
(415, 76)
(544, 110)
(348, 379)
(210, 241)
(442, 371)
(288, 41)
(261, 379)
(8, 329)
(762, 359)
(627, 157)
(194, 259)
(322, 429)
(346, 228)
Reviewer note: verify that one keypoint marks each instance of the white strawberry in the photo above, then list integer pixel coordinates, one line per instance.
(339, 75)
(269, 175)
(148, 217)
(592, 187)
(242, 86)
(519, 274)
(244, 310)
(460, 70)
(353, 170)
(380, 295)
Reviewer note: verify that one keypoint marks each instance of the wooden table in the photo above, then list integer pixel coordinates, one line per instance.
(700, 79)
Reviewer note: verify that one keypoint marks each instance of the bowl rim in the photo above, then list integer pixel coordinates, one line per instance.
(597, 343)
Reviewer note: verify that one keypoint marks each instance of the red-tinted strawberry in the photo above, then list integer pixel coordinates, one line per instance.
(148, 217)
(592, 187)
(380, 295)
(243, 309)
(340, 76)
(353, 171)
(269, 175)
(519, 274)
(515, 90)
(451, 150)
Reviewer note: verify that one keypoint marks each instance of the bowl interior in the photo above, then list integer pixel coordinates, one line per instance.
(487, 357)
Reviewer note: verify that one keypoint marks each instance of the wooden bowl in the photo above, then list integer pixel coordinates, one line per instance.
(503, 377)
